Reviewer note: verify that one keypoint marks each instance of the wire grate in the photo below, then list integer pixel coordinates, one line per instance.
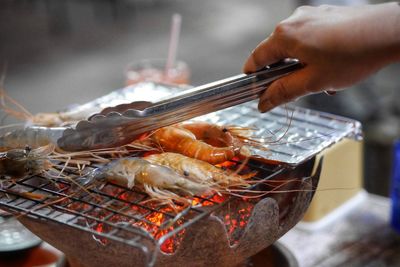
(111, 212)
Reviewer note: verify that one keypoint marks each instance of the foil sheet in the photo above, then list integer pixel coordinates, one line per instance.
(138, 92)
(287, 134)
(290, 134)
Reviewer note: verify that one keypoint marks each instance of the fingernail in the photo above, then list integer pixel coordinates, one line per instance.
(265, 106)
(248, 67)
(330, 92)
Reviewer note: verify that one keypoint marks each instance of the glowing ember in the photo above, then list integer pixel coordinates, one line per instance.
(118, 205)
(235, 218)
(158, 226)
(207, 201)
(160, 221)
(227, 164)
(99, 228)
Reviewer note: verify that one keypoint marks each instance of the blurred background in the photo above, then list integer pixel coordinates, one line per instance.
(58, 53)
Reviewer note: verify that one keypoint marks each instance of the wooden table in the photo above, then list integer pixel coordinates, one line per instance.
(362, 237)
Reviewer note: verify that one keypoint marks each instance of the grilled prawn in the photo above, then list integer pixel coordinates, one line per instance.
(158, 181)
(198, 171)
(201, 140)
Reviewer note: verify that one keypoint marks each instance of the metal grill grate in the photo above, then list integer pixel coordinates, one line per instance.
(112, 212)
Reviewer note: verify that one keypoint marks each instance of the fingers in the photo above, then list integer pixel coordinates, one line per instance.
(287, 89)
(266, 53)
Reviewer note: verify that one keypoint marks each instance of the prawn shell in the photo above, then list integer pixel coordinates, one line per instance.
(32, 136)
(197, 170)
(130, 172)
(200, 140)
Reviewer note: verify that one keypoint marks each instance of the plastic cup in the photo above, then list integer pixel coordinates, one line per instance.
(395, 188)
(153, 70)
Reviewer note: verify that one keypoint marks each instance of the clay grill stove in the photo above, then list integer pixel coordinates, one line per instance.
(114, 226)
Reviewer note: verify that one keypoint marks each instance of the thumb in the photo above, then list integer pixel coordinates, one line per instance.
(287, 89)
(267, 52)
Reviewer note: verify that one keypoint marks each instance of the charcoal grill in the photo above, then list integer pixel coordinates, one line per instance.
(115, 226)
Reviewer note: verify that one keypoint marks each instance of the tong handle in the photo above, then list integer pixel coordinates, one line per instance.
(122, 124)
(246, 85)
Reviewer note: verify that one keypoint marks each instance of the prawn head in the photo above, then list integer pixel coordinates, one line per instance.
(17, 163)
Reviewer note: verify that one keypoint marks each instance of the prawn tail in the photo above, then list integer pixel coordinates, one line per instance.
(241, 132)
(93, 177)
(246, 137)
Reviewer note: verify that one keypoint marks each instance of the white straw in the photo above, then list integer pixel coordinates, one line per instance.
(173, 41)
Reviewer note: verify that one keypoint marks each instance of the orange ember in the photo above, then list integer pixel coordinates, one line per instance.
(157, 220)
(99, 228)
(133, 207)
(226, 164)
(234, 162)
(160, 223)
(205, 201)
(235, 218)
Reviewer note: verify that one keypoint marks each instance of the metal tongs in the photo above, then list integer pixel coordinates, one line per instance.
(122, 124)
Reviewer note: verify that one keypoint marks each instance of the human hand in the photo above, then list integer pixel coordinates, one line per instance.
(338, 46)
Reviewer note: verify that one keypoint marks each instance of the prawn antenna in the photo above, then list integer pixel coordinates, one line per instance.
(20, 112)
(3, 74)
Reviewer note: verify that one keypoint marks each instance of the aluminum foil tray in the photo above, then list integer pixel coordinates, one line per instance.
(289, 134)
